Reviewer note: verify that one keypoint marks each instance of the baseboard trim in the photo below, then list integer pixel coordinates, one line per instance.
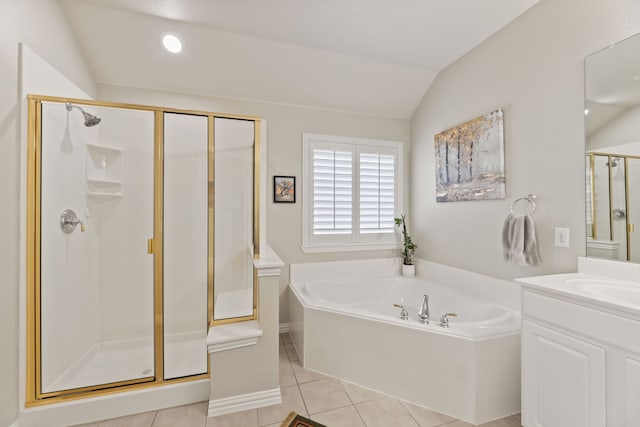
(285, 328)
(93, 409)
(243, 402)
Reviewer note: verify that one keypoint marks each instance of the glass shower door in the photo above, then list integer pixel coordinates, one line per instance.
(186, 252)
(234, 180)
(96, 321)
(633, 210)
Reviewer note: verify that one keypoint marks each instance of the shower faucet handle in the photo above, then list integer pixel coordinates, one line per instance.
(69, 221)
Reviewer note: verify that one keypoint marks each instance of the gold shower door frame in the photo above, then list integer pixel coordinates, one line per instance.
(34, 394)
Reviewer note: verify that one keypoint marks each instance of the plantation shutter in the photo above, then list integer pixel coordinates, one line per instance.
(377, 192)
(350, 193)
(332, 192)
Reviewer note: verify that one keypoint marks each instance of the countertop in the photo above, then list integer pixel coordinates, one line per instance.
(602, 292)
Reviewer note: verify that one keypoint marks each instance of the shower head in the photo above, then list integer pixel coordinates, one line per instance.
(614, 162)
(89, 119)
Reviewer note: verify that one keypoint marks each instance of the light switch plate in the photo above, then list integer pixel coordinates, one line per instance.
(561, 237)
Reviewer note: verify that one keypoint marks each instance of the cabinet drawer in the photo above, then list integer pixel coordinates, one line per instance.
(589, 322)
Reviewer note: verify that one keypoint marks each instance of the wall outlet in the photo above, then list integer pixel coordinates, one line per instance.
(561, 237)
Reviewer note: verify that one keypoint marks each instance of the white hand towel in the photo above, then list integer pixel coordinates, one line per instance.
(519, 241)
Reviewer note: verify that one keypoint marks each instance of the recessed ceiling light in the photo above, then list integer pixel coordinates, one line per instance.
(586, 111)
(172, 43)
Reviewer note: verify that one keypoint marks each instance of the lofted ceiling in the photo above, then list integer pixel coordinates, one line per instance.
(369, 56)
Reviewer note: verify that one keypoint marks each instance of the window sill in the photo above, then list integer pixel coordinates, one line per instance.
(353, 247)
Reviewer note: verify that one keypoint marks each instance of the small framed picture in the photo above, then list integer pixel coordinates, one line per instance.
(284, 189)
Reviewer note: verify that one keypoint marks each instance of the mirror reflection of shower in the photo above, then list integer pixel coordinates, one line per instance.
(90, 120)
(612, 180)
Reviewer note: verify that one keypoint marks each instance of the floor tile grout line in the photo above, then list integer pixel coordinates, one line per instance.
(408, 412)
(359, 414)
(332, 409)
(347, 393)
(155, 415)
(304, 402)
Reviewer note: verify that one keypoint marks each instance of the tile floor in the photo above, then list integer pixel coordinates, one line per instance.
(329, 401)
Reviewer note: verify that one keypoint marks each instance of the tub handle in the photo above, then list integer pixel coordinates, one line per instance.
(444, 320)
(69, 221)
(404, 314)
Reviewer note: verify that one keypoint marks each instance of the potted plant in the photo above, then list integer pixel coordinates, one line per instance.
(408, 249)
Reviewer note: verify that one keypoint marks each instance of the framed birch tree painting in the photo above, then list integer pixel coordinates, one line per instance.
(470, 160)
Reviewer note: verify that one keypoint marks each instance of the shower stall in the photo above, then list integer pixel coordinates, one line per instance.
(134, 212)
(611, 207)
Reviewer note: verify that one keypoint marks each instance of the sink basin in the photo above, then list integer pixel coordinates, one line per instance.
(609, 290)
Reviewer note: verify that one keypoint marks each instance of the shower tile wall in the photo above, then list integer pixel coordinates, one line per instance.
(69, 288)
(123, 226)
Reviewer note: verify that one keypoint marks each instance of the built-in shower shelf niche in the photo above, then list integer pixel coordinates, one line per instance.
(103, 196)
(98, 185)
(104, 162)
(104, 172)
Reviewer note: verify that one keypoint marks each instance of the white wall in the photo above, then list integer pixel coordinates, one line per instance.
(284, 157)
(533, 69)
(42, 26)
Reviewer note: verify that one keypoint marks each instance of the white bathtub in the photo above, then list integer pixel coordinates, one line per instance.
(373, 298)
(345, 325)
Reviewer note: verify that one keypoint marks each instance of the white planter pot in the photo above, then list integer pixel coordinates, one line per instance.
(408, 270)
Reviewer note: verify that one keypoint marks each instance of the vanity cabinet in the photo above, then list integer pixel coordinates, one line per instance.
(580, 363)
(564, 377)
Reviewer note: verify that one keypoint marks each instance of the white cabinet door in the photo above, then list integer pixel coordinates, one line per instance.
(564, 381)
(631, 391)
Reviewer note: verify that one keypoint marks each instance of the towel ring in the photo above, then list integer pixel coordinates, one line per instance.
(531, 199)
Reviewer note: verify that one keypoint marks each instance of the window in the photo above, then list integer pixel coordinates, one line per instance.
(351, 193)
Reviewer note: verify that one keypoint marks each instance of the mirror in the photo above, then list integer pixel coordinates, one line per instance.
(612, 112)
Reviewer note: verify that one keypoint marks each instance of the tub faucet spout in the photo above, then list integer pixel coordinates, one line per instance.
(423, 311)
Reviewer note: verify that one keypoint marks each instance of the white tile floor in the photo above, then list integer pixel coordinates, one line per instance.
(329, 401)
